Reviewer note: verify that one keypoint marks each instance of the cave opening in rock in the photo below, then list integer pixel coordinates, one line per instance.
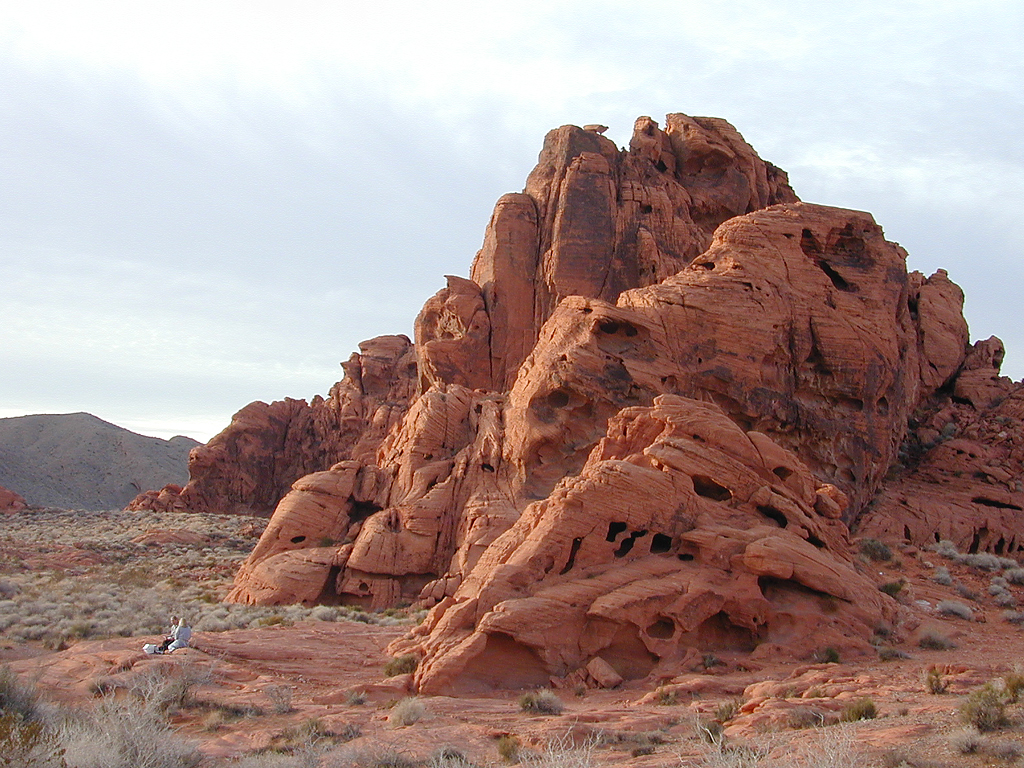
(628, 542)
(660, 543)
(572, 555)
(298, 539)
(360, 510)
(709, 489)
(773, 514)
(614, 529)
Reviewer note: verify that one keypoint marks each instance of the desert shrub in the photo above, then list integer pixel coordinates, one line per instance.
(665, 697)
(709, 660)
(280, 697)
(727, 710)
(967, 593)
(449, 757)
(941, 576)
(955, 608)
(1013, 617)
(29, 744)
(355, 698)
(984, 561)
(934, 682)
(508, 747)
(873, 549)
(1014, 576)
(1005, 600)
(807, 717)
(859, 709)
(947, 549)
(985, 709)
(828, 655)
(401, 665)
(167, 687)
(541, 701)
(935, 641)
(124, 735)
(406, 712)
(17, 697)
(892, 654)
(892, 588)
(1013, 685)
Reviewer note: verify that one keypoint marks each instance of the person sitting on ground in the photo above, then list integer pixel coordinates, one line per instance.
(180, 636)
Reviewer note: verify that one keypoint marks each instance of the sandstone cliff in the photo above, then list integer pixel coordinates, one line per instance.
(642, 429)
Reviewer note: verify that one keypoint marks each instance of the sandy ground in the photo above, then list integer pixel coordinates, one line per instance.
(334, 673)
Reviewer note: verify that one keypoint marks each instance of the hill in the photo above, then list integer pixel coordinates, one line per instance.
(79, 461)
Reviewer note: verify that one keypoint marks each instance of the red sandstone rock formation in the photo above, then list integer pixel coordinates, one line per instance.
(11, 501)
(681, 535)
(639, 432)
(249, 466)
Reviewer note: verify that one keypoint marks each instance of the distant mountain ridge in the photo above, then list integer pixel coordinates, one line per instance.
(79, 461)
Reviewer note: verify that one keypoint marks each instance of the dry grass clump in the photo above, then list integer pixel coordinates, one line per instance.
(401, 665)
(508, 747)
(942, 576)
(985, 709)
(875, 550)
(971, 742)
(859, 709)
(406, 712)
(933, 640)
(955, 608)
(981, 561)
(542, 702)
(280, 697)
(935, 682)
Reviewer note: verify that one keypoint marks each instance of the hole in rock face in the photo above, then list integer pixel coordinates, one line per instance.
(976, 541)
(486, 467)
(572, 555)
(663, 629)
(558, 399)
(815, 541)
(719, 633)
(628, 542)
(660, 165)
(1000, 546)
(709, 489)
(503, 663)
(298, 539)
(773, 514)
(645, 208)
(608, 326)
(360, 510)
(614, 529)
(660, 543)
(906, 533)
(993, 503)
(685, 557)
(782, 472)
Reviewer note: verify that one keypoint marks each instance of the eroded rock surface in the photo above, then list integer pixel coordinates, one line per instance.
(641, 430)
(681, 535)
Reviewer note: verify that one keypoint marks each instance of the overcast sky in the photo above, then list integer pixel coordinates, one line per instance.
(208, 203)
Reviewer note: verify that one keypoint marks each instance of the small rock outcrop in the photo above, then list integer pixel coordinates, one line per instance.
(11, 501)
(251, 464)
(645, 427)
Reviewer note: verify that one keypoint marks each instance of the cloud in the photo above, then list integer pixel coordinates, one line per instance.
(218, 200)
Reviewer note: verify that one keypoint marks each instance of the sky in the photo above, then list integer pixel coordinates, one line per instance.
(208, 203)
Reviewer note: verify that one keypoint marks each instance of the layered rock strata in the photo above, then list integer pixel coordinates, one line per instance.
(642, 429)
